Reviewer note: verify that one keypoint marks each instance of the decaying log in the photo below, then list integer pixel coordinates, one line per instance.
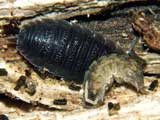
(58, 9)
(24, 103)
(153, 66)
(132, 106)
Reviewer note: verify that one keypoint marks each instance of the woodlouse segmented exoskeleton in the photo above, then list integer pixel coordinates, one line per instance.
(67, 51)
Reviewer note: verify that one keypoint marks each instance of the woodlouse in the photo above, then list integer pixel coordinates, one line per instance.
(67, 50)
(63, 49)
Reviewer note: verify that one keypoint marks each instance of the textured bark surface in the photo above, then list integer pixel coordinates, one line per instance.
(58, 9)
(25, 10)
(114, 24)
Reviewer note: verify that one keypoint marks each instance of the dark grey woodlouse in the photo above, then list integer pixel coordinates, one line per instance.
(63, 49)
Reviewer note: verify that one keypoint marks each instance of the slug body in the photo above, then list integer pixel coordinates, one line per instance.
(62, 49)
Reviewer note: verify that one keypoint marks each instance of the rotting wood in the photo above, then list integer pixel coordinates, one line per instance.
(149, 31)
(58, 9)
(49, 89)
(153, 63)
(132, 106)
(61, 9)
